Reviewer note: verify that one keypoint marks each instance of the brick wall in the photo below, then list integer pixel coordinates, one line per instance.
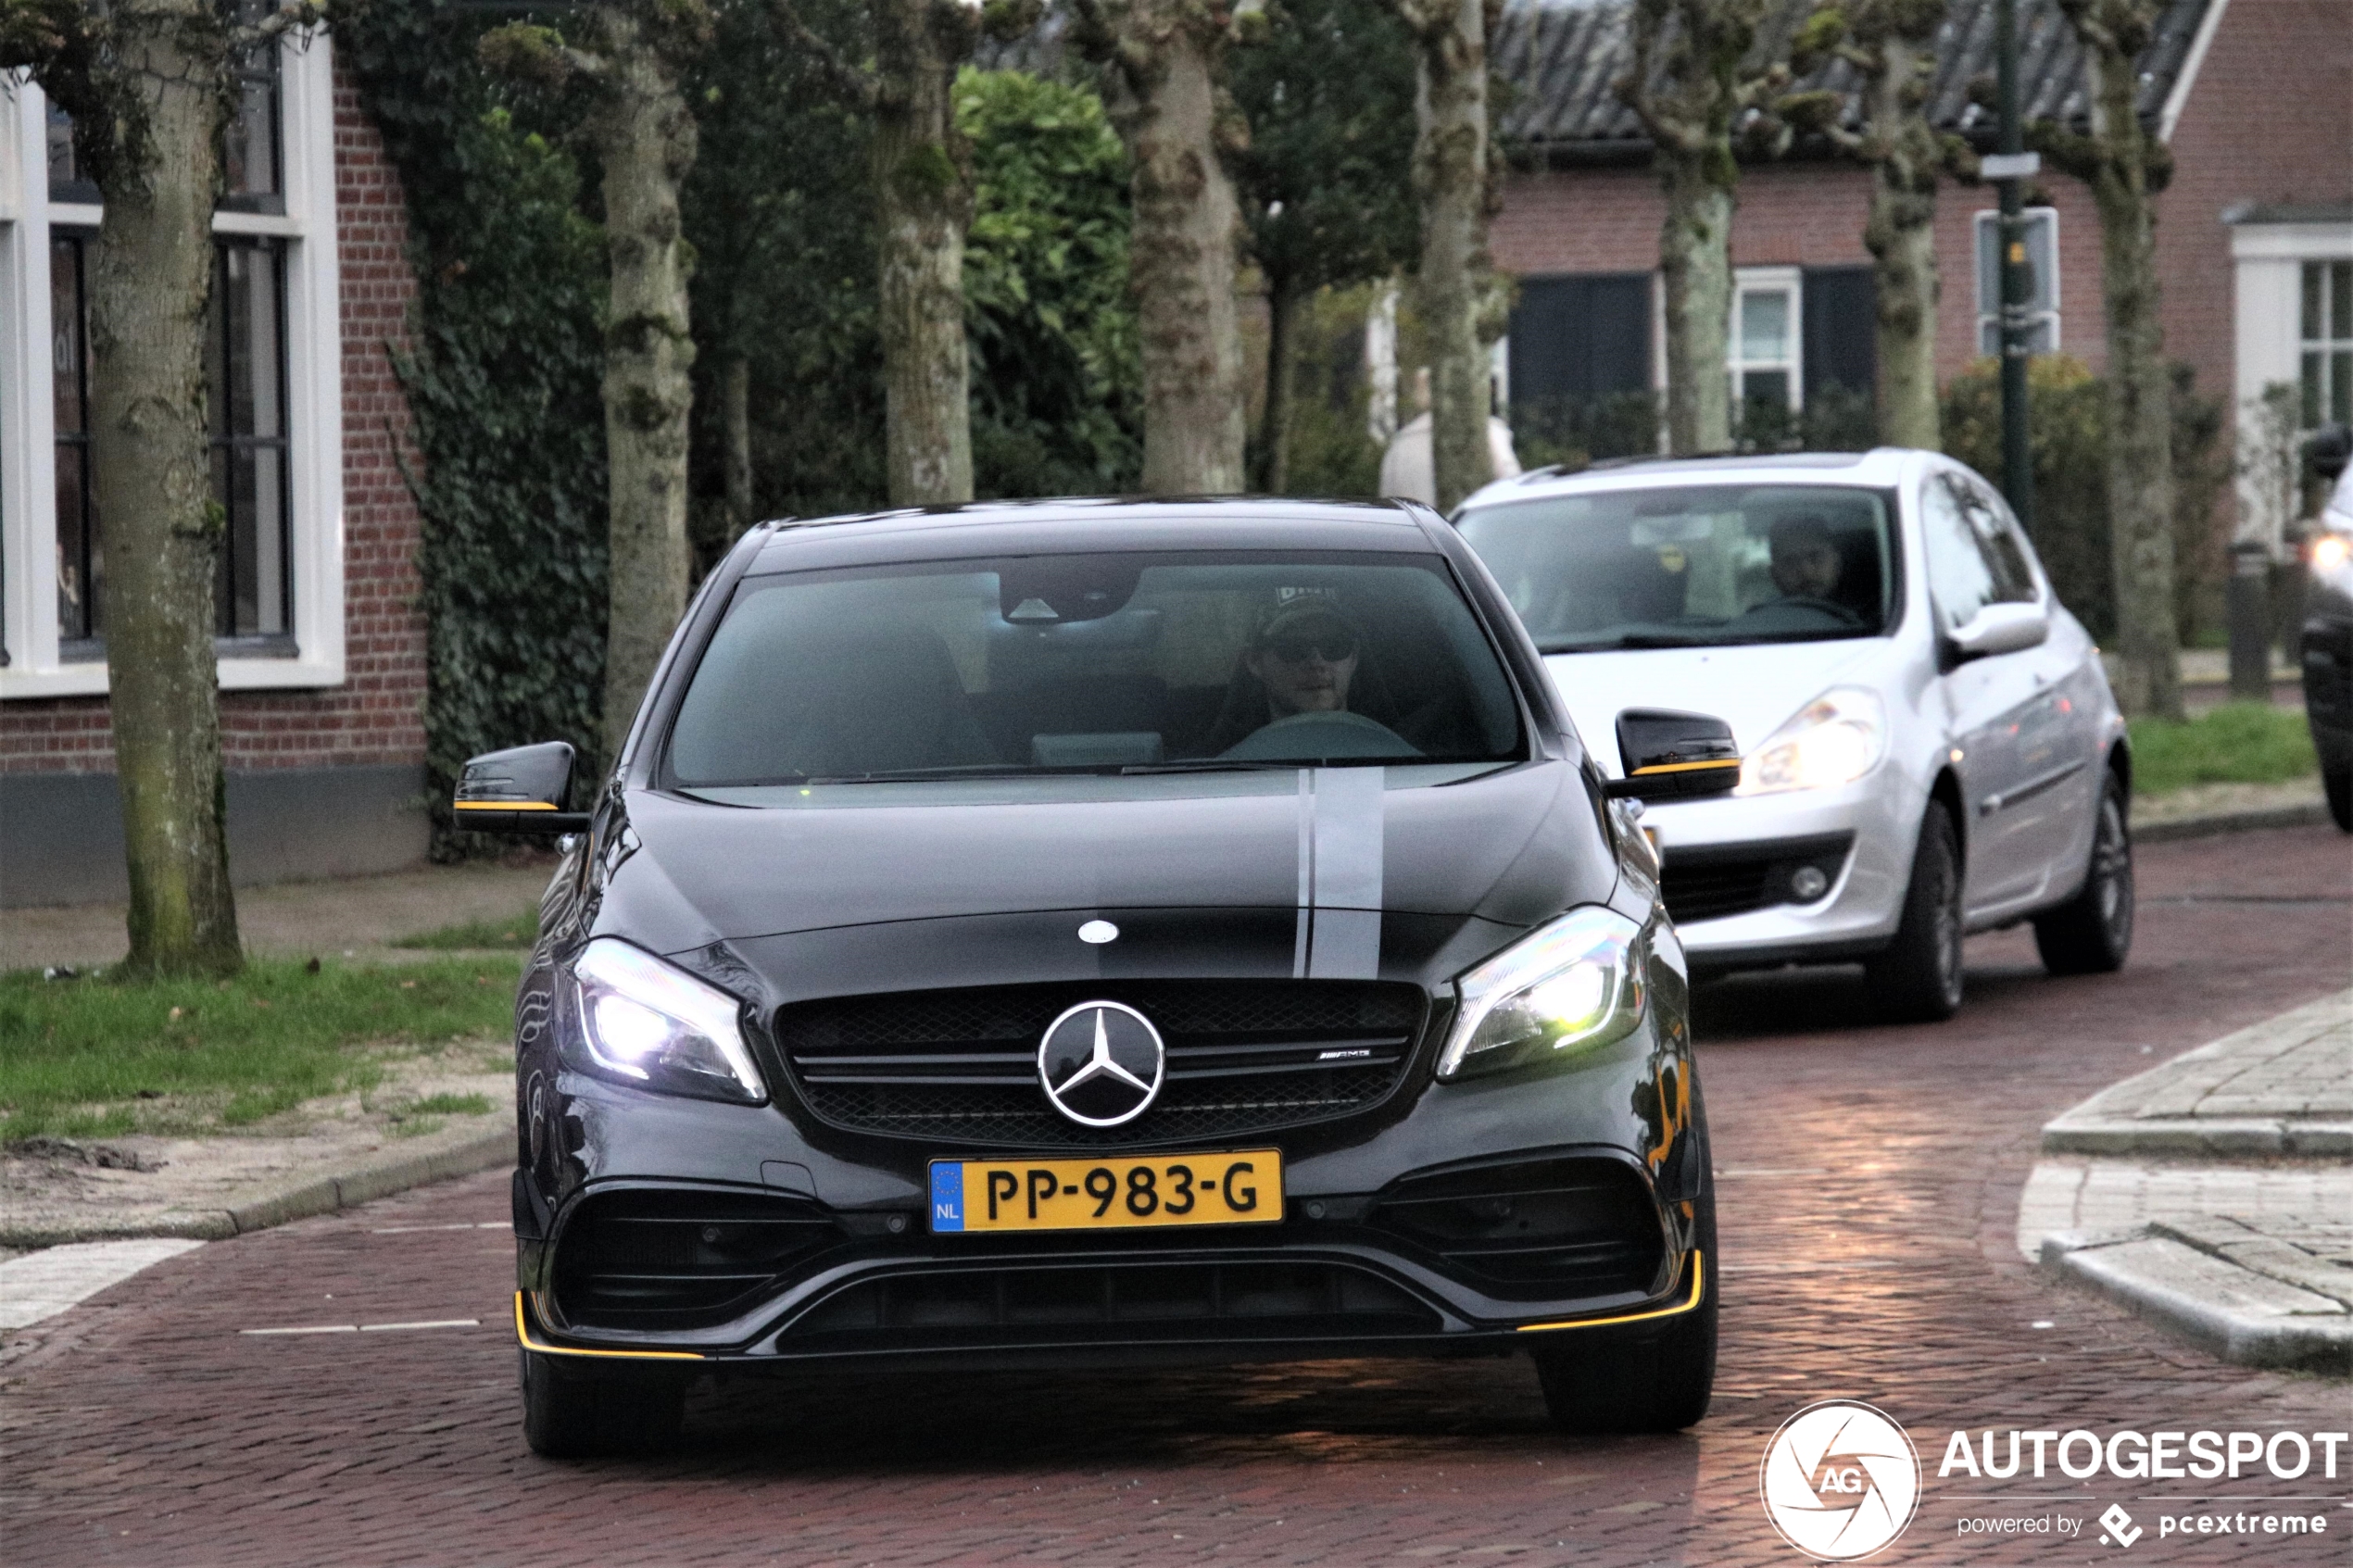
(2269, 121)
(376, 716)
(1792, 215)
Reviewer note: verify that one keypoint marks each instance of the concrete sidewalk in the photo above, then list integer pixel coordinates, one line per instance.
(2213, 1193)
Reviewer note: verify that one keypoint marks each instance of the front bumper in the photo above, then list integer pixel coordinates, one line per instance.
(1474, 1213)
(1707, 844)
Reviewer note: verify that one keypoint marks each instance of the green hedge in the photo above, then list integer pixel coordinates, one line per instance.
(502, 376)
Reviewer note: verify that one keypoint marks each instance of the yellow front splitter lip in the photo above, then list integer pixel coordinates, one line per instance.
(523, 1337)
(1673, 1310)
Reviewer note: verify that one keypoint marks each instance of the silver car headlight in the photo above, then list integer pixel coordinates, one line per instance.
(652, 1024)
(1834, 739)
(1571, 986)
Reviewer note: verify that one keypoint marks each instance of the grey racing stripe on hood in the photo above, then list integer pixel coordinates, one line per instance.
(1340, 839)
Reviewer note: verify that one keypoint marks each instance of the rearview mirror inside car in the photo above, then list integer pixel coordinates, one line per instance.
(519, 790)
(1671, 756)
(2000, 628)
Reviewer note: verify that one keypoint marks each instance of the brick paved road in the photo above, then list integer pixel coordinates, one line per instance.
(1870, 1181)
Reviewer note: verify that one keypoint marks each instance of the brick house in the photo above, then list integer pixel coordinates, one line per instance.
(322, 649)
(2255, 234)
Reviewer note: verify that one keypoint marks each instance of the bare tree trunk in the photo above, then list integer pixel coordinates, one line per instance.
(1688, 83)
(1450, 176)
(1901, 234)
(646, 138)
(150, 286)
(1274, 424)
(1163, 94)
(2125, 166)
(735, 398)
(923, 196)
(1695, 256)
(1890, 45)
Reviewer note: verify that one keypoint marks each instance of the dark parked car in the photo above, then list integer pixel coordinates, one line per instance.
(2326, 646)
(1100, 932)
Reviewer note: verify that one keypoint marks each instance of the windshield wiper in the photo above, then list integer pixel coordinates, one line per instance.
(1216, 765)
(918, 775)
(1630, 640)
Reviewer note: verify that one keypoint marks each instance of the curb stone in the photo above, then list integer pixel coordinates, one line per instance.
(2303, 814)
(2239, 1315)
(297, 1199)
(2197, 1223)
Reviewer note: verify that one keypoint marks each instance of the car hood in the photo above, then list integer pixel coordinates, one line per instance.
(1513, 846)
(1754, 688)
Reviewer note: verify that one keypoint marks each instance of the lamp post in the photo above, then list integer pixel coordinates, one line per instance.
(2008, 169)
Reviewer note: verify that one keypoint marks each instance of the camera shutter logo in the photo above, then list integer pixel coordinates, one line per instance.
(1102, 1063)
(1839, 1480)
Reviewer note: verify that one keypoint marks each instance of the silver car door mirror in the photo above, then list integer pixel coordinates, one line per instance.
(2001, 628)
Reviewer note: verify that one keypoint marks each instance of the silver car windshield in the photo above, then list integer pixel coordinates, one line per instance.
(1110, 663)
(1702, 565)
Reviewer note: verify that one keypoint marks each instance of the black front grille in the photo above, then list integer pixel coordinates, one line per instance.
(1123, 1302)
(1548, 1229)
(1711, 882)
(656, 1258)
(962, 1066)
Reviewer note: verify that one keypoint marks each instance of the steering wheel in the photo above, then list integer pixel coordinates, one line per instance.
(1832, 608)
(1319, 735)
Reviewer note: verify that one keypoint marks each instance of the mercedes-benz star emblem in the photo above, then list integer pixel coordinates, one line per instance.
(1102, 1063)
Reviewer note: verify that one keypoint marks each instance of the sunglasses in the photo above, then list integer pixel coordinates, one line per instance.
(1332, 647)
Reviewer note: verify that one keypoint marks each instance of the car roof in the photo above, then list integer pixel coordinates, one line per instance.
(991, 528)
(1878, 469)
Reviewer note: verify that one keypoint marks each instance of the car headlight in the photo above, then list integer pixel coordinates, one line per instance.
(652, 1024)
(1571, 986)
(1834, 739)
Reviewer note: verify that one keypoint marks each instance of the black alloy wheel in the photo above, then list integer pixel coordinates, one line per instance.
(572, 1410)
(2092, 932)
(1917, 979)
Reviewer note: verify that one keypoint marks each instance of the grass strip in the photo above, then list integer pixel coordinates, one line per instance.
(516, 932)
(91, 1057)
(2239, 742)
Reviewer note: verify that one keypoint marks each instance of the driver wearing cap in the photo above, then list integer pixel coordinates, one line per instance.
(1303, 652)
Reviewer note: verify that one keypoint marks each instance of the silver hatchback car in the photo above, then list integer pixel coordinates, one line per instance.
(1929, 745)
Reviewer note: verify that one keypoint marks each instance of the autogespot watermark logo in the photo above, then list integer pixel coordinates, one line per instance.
(1839, 1480)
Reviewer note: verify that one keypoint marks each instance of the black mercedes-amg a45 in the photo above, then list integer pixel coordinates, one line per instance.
(1079, 933)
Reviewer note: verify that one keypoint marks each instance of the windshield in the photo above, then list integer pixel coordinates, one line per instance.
(1692, 566)
(1092, 663)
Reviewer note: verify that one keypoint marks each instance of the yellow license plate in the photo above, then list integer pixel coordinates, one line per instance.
(1242, 1188)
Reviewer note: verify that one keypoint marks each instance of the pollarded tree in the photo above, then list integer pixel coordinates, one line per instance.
(1164, 83)
(1690, 84)
(922, 171)
(1454, 282)
(2126, 166)
(1890, 45)
(1324, 201)
(631, 53)
(147, 83)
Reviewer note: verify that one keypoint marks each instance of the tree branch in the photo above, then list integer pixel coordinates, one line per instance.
(538, 53)
(857, 85)
(296, 14)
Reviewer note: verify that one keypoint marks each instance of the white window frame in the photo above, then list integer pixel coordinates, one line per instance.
(314, 388)
(2267, 308)
(1989, 310)
(1788, 281)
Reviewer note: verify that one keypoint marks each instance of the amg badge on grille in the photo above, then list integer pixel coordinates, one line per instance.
(1102, 1063)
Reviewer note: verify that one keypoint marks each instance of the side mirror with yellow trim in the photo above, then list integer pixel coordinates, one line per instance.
(1671, 756)
(519, 790)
